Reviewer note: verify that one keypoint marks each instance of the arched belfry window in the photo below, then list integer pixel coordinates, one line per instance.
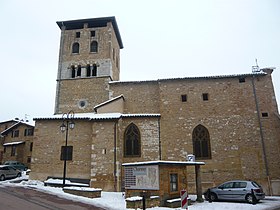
(201, 142)
(75, 47)
(79, 71)
(94, 70)
(94, 46)
(132, 144)
(73, 72)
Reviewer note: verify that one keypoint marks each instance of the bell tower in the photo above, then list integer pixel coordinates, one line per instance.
(89, 58)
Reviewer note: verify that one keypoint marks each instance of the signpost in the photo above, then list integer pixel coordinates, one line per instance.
(184, 199)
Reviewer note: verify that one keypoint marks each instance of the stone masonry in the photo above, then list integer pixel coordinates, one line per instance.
(238, 111)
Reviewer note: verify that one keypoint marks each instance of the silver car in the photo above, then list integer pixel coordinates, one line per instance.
(8, 172)
(237, 190)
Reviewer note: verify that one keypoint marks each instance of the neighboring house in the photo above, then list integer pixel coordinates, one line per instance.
(16, 141)
(229, 122)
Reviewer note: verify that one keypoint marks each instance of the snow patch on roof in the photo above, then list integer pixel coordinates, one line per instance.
(13, 143)
(162, 162)
(188, 78)
(108, 101)
(94, 116)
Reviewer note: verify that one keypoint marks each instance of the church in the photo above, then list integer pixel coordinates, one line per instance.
(230, 122)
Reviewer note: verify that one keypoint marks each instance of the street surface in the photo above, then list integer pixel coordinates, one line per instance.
(19, 198)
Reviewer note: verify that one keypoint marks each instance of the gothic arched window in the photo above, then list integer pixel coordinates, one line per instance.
(76, 47)
(94, 46)
(132, 144)
(201, 142)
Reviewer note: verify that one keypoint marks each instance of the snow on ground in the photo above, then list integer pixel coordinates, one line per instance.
(116, 201)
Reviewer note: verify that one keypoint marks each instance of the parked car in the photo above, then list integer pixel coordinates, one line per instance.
(17, 165)
(7, 172)
(237, 190)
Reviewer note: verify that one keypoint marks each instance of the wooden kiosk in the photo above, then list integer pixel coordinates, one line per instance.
(158, 181)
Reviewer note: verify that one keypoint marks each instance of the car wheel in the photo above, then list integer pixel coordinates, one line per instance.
(19, 175)
(249, 198)
(2, 177)
(213, 196)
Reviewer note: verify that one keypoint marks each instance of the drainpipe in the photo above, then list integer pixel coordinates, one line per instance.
(159, 140)
(261, 134)
(115, 157)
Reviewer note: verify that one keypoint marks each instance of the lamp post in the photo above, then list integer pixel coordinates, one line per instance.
(67, 122)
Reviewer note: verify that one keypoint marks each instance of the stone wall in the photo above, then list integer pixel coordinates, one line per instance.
(229, 114)
(48, 140)
(88, 91)
(107, 149)
(91, 91)
(140, 97)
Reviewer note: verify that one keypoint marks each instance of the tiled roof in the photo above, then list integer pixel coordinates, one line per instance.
(108, 101)
(193, 78)
(93, 116)
(163, 162)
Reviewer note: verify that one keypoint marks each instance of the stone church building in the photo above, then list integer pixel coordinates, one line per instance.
(229, 122)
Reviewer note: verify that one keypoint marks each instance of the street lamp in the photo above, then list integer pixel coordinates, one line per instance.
(67, 122)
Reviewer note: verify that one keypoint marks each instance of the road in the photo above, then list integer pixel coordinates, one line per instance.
(19, 198)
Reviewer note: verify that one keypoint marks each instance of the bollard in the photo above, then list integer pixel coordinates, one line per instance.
(209, 195)
(144, 195)
(254, 199)
(184, 199)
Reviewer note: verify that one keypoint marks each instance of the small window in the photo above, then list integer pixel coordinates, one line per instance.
(31, 147)
(28, 159)
(173, 182)
(76, 47)
(73, 72)
(28, 132)
(15, 133)
(13, 151)
(78, 34)
(4, 149)
(94, 46)
(184, 98)
(264, 114)
(242, 79)
(66, 153)
(205, 96)
(82, 104)
(92, 33)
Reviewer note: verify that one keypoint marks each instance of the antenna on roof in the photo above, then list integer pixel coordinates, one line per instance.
(256, 68)
(25, 117)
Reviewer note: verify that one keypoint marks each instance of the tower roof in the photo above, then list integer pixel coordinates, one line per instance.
(92, 22)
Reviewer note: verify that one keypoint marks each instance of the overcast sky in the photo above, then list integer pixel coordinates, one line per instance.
(162, 39)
